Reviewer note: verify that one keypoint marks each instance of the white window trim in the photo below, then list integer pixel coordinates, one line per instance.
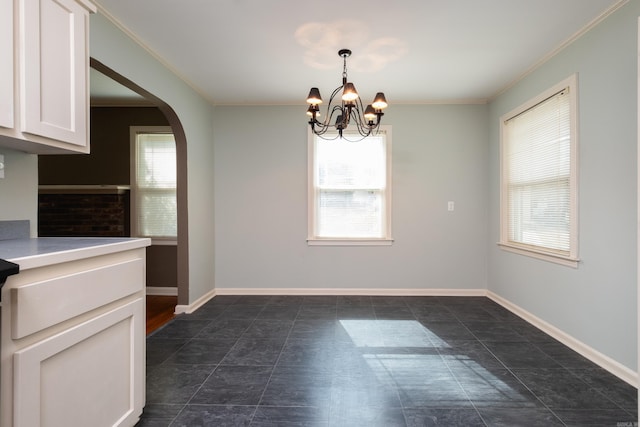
(133, 131)
(319, 241)
(572, 260)
(313, 240)
(164, 241)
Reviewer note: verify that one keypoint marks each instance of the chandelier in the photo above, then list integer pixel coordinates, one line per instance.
(348, 109)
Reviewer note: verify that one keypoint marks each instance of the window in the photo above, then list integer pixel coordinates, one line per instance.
(538, 176)
(153, 183)
(350, 189)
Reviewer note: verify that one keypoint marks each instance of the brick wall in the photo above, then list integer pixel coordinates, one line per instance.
(104, 215)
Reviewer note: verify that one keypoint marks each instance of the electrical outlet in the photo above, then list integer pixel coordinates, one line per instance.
(450, 206)
(1, 165)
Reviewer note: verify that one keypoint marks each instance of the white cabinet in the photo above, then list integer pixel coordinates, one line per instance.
(73, 343)
(79, 377)
(6, 64)
(50, 86)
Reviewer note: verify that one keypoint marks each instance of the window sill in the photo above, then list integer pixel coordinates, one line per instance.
(349, 242)
(155, 241)
(545, 256)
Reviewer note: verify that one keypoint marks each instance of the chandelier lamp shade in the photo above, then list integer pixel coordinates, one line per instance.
(346, 109)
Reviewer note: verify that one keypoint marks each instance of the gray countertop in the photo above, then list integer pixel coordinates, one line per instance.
(38, 252)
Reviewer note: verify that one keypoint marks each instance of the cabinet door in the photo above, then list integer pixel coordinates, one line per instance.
(89, 375)
(6, 63)
(54, 69)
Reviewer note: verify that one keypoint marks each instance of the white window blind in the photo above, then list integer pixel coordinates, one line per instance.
(539, 177)
(350, 188)
(155, 185)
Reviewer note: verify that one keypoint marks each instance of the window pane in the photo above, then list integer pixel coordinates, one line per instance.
(351, 165)
(540, 215)
(156, 161)
(157, 214)
(350, 214)
(155, 185)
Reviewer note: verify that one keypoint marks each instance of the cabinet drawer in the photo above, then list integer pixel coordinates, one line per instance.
(43, 304)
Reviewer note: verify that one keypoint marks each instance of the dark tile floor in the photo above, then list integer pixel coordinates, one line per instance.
(371, 361)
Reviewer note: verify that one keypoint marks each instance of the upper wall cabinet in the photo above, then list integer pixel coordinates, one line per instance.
(6, 64)
(49, 80)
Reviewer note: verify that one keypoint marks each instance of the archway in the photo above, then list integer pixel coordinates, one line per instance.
(181, 171)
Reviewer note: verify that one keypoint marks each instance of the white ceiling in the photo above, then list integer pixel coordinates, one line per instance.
(416, 51)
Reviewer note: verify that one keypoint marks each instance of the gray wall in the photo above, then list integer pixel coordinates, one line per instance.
(595, 303)
(440, 153)
(19, 188)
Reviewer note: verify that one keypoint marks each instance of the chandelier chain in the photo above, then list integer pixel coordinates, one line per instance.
(344, 69)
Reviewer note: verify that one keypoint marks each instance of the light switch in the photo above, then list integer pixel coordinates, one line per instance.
(1, 165)
(450, 206)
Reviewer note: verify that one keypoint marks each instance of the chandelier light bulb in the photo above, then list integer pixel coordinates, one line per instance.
(313, 109)
(379, 102)
(349, 94)
(369, 114)
(314, 97)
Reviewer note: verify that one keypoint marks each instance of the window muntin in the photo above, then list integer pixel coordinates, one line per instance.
(349, 188)
(539, 197)
(153, 182)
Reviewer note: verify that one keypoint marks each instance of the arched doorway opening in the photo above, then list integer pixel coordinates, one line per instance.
(181, 175)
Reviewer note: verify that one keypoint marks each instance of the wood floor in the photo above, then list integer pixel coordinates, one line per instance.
(160, 309)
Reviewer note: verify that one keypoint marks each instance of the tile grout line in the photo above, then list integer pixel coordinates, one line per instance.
(455, 377)
(210, 373)
(510, 371)
(274, 367)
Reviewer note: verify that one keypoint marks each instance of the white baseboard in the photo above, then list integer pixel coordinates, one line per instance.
(162, 291)
(588, 352)
(188, 309)
(351, 291)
